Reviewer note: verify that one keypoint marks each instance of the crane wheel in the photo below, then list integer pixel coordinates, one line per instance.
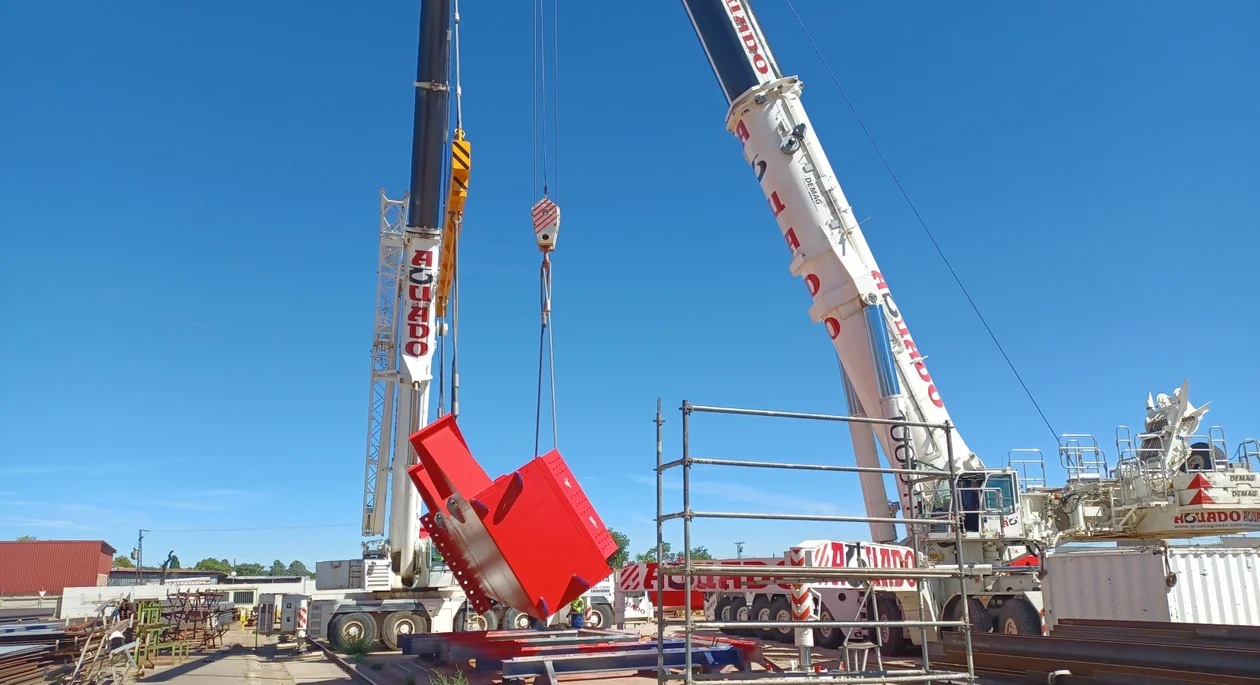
(1019, 617)
(740, 613)
(892, 641)
(828, 637)
(353, 632)
(402, 623)
(781, 610)
(722, 613)
(515, 620)
(468, 621)
(980, 621)
(760, 613)
(601, 616)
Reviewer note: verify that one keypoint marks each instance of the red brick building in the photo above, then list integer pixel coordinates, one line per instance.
(27, 567)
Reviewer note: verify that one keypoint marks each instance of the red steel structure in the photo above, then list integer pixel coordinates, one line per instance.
(500, 537)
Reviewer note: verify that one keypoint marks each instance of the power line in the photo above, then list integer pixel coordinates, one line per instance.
(922, 223)
(241, 530)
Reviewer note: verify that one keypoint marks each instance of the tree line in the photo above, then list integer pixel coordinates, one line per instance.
(622, 556)
(278, 568)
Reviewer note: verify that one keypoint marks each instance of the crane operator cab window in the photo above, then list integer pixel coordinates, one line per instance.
(985, 498)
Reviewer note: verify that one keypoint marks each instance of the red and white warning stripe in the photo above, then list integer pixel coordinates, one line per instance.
(802, 599)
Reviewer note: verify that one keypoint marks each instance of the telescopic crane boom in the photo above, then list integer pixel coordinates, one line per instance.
(885, 372)
(422, 243)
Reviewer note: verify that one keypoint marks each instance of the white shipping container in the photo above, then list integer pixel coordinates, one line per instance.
(1179, 584)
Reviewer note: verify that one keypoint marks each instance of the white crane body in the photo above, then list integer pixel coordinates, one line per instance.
(885, 375)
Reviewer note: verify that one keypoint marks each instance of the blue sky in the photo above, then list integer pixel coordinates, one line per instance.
(189, 205)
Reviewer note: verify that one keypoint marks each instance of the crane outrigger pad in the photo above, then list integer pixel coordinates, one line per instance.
(530, 540)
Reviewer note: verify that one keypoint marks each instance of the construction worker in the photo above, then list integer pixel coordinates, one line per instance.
(577, 613)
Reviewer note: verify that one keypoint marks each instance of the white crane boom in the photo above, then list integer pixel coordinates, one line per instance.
(887, 375)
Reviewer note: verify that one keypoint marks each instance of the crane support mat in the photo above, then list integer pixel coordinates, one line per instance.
(522, 654)
(529, 540)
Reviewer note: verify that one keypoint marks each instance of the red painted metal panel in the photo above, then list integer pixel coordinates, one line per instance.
(530, 539)
(52, 565)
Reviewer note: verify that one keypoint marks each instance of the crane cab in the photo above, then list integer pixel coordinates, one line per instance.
(988, 502)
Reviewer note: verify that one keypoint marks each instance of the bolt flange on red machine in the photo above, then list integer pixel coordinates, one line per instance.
(530, 540)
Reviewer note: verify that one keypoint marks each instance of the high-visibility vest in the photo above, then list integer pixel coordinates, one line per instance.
(578, 604)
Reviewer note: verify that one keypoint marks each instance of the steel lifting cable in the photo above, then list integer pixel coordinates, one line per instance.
(923, 224)
(546, 215)
(459, 125)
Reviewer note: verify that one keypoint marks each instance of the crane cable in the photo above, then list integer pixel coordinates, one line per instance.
(548, 162)
(454, 251)
(957, 279)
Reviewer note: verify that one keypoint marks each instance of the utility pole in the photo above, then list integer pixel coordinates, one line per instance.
(739, 549)
(140, 554)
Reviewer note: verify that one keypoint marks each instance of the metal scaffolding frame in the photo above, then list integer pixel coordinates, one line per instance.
(801, 576)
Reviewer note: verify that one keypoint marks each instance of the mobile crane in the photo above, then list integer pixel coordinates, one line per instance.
(401, 584)
(1169, 481)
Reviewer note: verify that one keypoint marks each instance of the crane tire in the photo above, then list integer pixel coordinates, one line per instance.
(1019, 617)
(601, 616)
(980, 622)
(515, 620)
(352, 630)
(740, 612)
(781, 610)
(401, 623)
(723, 614)
(831, 638)
(490, 620)
(759, 613)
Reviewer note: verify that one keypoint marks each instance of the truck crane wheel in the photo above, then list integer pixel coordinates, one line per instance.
(1019, 617)
(722, 612)
(515, 620)
(781, 610)
(761, 613)
(740, 613)
(466, 621)
(402, 623)
(980, 621)
(892, 640)
(353, 631)
(828, 637)
(601, 616)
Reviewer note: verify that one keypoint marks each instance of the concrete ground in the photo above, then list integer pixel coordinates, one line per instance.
(238, 662)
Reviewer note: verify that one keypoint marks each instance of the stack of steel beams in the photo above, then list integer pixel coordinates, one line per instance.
(1087, 651)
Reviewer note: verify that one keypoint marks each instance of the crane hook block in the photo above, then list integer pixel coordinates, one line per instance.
(529, 539)
(546, 223)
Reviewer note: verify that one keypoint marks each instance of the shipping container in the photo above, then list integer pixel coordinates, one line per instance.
(1179, 584)
(29, 567)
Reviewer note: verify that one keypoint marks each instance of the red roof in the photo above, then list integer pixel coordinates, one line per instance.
(27, 567)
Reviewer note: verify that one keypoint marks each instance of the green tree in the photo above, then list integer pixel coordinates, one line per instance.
(27, 538)
(622, 555)
(208, 564)
(250, 569)
(123, 562)
(650, 555)
(174, 562)
(700, 552)
(297, 568)
(278, 568)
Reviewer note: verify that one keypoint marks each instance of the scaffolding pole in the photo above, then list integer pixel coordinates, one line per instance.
(802, 576)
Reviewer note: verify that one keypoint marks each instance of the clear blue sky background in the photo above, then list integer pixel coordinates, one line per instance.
(189, 198)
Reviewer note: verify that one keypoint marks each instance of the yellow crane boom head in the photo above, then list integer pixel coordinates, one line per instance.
(461, 165)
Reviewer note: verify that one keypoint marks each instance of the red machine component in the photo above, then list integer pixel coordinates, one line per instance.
(530, 539)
